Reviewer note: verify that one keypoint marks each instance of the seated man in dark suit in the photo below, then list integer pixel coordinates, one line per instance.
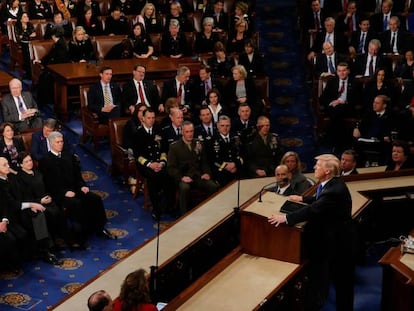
(20, 108)
(338, 100)
(361, 38)
(206, 129)
(202, 85)
(368, 63)
(187, 164)
(373, 134)
(104, 97)
(348, 162)
(138, 90)
(179, 87)
(394, 40)
(63, 180)
(326, 62)
(40, 145)
(283, 178)
(116, 23)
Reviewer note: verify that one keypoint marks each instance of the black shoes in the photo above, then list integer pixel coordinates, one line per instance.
(52, 259)
(105, 233)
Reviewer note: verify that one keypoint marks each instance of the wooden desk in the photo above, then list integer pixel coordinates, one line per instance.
(397, 282)
(4, 82)
(75, 74)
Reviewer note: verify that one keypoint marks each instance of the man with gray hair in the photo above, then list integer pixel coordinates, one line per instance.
(178, 87)
(63, 180)
(329, 236)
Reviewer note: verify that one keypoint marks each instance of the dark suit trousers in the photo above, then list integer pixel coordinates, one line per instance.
(208, 187)
(87, 210)
(105, 116)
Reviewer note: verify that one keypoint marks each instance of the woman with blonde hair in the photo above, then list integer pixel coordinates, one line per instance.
(134, 295)
(298, 182)
(80, 47)
(148, 18)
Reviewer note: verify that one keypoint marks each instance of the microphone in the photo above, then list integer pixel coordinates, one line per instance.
(284, 181)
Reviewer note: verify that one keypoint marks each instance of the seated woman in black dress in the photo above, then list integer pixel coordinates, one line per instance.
(252, 60)
(141, 42)
(148, 18)
(80, 47)
(58, 21)
(10, 146)
(400, 157)
(220, 63)
(174, 42)
(25, 31)
(31, 188)
(240, 90)
(237, 38)
(90, 23)
(205, 40)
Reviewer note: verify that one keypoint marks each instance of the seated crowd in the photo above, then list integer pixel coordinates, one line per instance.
(361, 59)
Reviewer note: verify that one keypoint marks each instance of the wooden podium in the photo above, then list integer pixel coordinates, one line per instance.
(263, 273)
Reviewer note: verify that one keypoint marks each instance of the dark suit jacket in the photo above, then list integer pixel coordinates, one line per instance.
(377, 22)
(183, 162)
(222, 23)
(309, 20)
(402, 39)
(321, 64)
(328, 219)
(39, 145)
(59, 54)
(96, 97)
(61, 175)
(361, 62)
(169, 89)
(198, 90)
(171, 46)
(8, 106)
(340, 42)
(255, 67)
(169, 135)
(129, 96)
(356, 36)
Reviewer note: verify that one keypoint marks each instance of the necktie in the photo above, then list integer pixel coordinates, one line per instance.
(149, 131)
(330, 65)
(226, 139)
(59, 155)
(318, 191)
(178, 131)
(393, 42)
(209, 131)
(20, 105)
(207, 87)
(180, 94)
(385, 26)
(361, 44)
(141, 93)
(245, 124)
(371, 67)
(341, 89)
(351, 24)
(329, 39)
(107, 97)
(378, 115)
(317, 22)
(278, 191)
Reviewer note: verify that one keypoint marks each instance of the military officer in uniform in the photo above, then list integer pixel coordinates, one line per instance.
(152, 163)
(225, 157)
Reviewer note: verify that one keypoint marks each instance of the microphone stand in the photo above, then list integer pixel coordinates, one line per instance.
(236, 211)
(263, 188)
(153, 284)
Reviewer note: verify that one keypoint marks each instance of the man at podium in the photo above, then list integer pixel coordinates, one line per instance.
(327, 235)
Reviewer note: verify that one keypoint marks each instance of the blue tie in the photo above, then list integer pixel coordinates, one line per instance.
(318, 191)
(330, 65)
(385, 23)
(361, 44)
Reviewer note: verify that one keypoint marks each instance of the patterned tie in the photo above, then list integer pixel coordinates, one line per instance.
(361, 44)
(329, 39)
(330, 65)
(107, 97)
(341, 89)
(180, 94)
(20, 105)
(141, 93)
(207, 87)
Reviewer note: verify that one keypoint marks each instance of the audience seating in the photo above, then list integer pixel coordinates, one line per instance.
(90, 122)
(156, 42)
(38, 49)
(105, 43)
(16, 54)
(122, 162)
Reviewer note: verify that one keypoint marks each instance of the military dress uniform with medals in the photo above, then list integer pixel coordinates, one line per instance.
(224, 152)
(148, 149)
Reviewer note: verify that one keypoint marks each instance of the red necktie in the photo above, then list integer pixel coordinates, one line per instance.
(351, 24)
(341, 89)
(345, 4)
(141, 93)
(317, 22)
(180, 94)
